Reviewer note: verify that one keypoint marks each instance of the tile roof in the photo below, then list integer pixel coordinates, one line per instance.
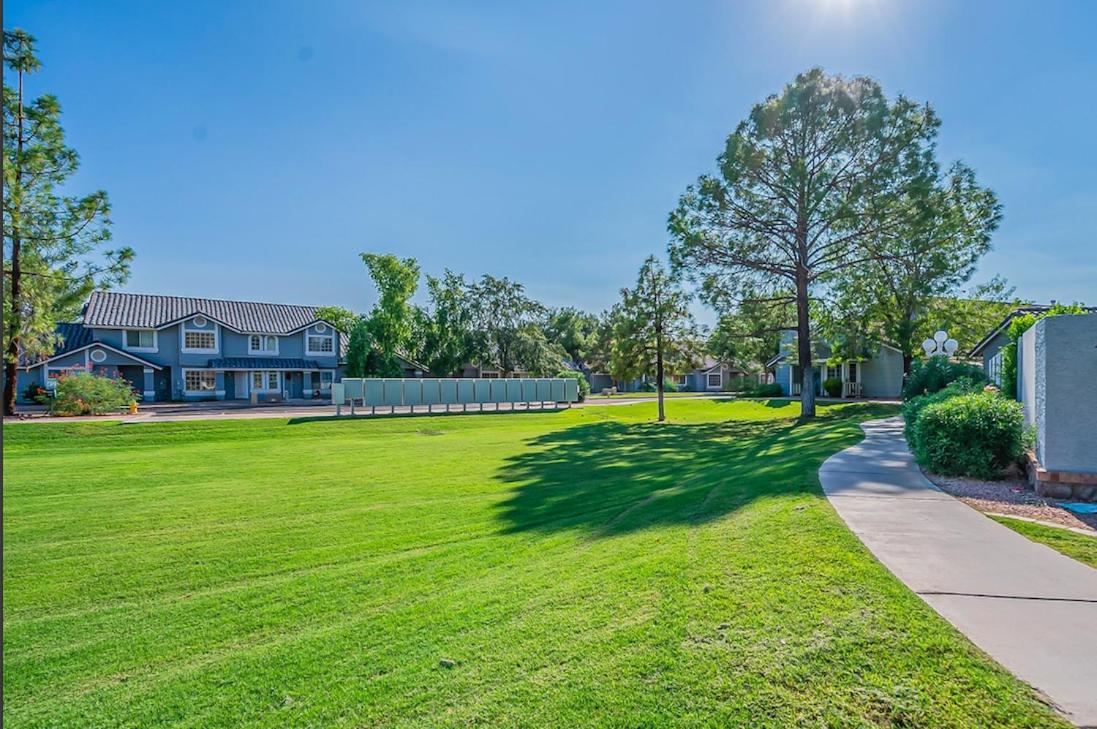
(112, 309)
(262, 363)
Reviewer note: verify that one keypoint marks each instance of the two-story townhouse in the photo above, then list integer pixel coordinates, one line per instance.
(180, 348)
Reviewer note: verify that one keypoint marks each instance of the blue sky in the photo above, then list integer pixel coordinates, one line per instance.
(253, 149)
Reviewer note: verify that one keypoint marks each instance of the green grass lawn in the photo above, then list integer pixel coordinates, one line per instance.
(638, 395)
(1078, 546)
(581, 567)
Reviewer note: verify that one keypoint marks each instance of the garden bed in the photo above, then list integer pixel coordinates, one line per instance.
(1012, 496)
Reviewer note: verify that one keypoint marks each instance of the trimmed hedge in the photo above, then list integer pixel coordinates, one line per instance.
(976, 434)
(833, 386)
(933, 374)
(771, 389)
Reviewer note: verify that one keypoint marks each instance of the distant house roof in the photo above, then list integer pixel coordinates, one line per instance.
(115, 310)
(1029, 309)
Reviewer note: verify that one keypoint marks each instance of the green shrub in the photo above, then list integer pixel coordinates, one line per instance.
(584, 385)
(833, 386)
(771, 389)
(976, 434)
(87, 394)
(668, 386)
(913, 407)
(932, 374)
(36, 393)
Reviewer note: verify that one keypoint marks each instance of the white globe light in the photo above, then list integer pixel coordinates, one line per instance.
(940, 336)
(929, 345)
(951, 346)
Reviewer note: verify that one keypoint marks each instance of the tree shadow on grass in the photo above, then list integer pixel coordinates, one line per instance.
(613, 477)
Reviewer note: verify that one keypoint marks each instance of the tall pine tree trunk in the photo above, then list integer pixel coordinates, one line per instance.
(803, 348)
(11, 356)
(659, 371)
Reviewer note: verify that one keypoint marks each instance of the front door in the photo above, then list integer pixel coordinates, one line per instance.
(294, 385)
(161, 383)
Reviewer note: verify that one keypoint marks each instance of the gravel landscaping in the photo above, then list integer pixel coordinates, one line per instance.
(1012, 496)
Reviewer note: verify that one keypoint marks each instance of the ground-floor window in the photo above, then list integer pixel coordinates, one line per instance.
(680, 379)
(199, 380)
(834, 372)
(326, 378)
(715, 379)
(489, 375)
(266, 381)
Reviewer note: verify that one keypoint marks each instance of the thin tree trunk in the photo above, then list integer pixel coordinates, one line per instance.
(803, 348)
(659, 375)
(11, 372)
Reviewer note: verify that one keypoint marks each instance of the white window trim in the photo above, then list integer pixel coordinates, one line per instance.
(708, 380)
(329, 335)
(155, 341)
(191, 350)
(264, 338)
(266, 381)
(214, 391)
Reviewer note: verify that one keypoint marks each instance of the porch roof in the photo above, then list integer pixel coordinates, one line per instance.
(263, 363)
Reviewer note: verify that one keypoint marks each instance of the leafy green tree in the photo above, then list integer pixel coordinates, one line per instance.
(574, 331)
(750, 334)
(391, 322)
(508, 329)
(446, 328)
(359, 348)
(969, 315)
(653, 329)
(342, 319)
(806, 183)
(931, 255)
(54, 244)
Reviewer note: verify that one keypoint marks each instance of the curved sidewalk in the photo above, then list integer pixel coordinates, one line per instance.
(1032, 609)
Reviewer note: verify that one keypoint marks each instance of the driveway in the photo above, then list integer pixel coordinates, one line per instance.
(1031, 608)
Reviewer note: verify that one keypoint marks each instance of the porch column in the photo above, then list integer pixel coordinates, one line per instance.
(219, 385)
(149, 393)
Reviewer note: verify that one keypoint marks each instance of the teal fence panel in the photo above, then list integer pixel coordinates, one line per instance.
(413, 392)
(559, 392)
(571, 390)
(374, 392)
(394, 392)
(432, 391)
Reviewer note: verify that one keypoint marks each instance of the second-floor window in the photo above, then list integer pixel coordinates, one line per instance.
(199, 340)
(140, 339)
(263, 343)
(320, 344)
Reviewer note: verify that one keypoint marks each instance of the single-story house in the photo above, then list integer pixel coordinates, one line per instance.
(710, 375)
(181, 348)
(878, 375)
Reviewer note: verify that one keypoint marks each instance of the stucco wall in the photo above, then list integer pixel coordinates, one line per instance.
(882, 376)
(1063, 362)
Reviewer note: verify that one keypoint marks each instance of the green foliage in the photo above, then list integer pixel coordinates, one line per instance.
(808, 187)
(84, 393)
(54, 244)
(1018, 326)
(391, 322)
(358, 349)
(770, 389)
(654, 331)
(574, 331)
(914, 406)
(976, 434)
(931, 374)
(34, 392)
(509, 335)
(833, 386)
(342, 319)
(748, 333)
(447, 340)
(584, 385)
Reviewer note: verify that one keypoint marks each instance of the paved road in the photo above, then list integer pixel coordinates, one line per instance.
(1032, 609)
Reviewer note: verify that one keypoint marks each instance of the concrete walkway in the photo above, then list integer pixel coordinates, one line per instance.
(1032, 609)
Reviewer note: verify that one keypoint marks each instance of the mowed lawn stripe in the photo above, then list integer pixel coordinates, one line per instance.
(578, 567)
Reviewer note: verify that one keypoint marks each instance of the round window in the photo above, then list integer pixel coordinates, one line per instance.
(199, 321)
(321, 328)
(98, 355)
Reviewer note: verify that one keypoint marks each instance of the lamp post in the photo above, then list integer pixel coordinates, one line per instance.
(940, 345)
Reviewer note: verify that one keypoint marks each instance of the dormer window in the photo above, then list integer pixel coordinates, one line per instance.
(197, 340)
(320, 341)
(262, 344)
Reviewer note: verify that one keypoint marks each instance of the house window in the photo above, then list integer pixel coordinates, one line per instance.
(54, 374)
(489, 375)
(199, 380)
(715, 379)
(263, 343)
(141, 339)
(320, 344)
(851, 372)
(994, 369)
(833, 372)
(680, 379)
(199, 340)
(266, 381)
(98, 355)
(326, 378)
